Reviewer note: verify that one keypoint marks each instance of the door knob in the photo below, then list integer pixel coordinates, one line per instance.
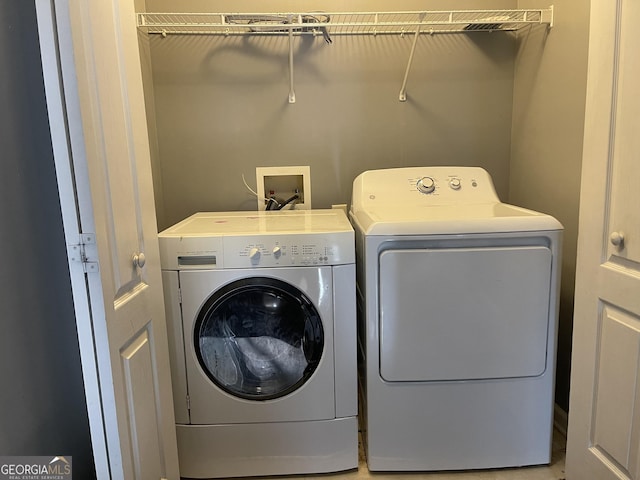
(139, 260)
(617, 239)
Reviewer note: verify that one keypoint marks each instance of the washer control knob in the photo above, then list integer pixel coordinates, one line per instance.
(426, 185)
(455, 183)
(254, 255)
(277, 251)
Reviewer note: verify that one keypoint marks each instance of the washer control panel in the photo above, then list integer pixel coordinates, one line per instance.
(287, 250)
(260, 251)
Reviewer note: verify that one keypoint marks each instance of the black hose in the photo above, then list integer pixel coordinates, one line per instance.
(272, 201)
(288, 201)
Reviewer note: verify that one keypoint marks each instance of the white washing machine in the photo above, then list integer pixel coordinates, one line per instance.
(457, 303)
(262, 330)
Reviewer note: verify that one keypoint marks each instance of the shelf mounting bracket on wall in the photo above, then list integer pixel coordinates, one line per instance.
(292, 93)
(403, 89)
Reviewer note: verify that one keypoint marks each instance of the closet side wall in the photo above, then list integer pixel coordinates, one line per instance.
(546, 154)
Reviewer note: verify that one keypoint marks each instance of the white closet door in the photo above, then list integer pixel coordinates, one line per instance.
(94, 93)
(604, 412)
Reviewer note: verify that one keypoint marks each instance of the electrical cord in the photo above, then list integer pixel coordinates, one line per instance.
(253, 191)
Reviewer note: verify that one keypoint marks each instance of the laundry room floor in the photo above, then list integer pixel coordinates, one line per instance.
(554, 471)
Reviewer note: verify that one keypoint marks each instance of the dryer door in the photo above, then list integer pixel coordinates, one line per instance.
(258, 338)
(451, 314)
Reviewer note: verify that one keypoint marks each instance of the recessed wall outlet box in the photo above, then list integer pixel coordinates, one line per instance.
(290, 187)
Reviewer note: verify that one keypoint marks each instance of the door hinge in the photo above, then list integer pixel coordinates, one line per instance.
(85, 252)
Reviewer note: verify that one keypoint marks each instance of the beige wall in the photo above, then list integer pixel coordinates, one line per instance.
(546, 147)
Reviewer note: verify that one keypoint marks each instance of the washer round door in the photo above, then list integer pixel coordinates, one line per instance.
(258, 345)
(258, 338)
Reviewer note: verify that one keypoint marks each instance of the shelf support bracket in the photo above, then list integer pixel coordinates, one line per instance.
(547, 17)
(403, 90)
(292, 93)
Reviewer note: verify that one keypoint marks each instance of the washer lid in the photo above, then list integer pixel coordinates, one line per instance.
(222, 224)
(264, 239)
(452, 219)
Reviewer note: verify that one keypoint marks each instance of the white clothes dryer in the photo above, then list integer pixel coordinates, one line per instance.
(262, 331)
(458, 298)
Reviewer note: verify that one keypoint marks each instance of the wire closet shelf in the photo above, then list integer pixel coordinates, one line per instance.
(342, 23)
(328, 24)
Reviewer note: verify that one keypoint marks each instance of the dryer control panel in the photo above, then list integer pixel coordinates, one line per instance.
(429, 186)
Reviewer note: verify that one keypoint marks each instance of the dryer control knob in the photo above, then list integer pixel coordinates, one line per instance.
(426, 185)
(455, 183)
(254, 255)
(277, 251)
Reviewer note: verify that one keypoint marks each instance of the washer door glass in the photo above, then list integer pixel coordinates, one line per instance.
(259, 338)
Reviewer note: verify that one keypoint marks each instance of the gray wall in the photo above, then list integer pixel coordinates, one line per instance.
(42, 402)
(514, 105)
(221, 106)
(340, 126)
(546, 148)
